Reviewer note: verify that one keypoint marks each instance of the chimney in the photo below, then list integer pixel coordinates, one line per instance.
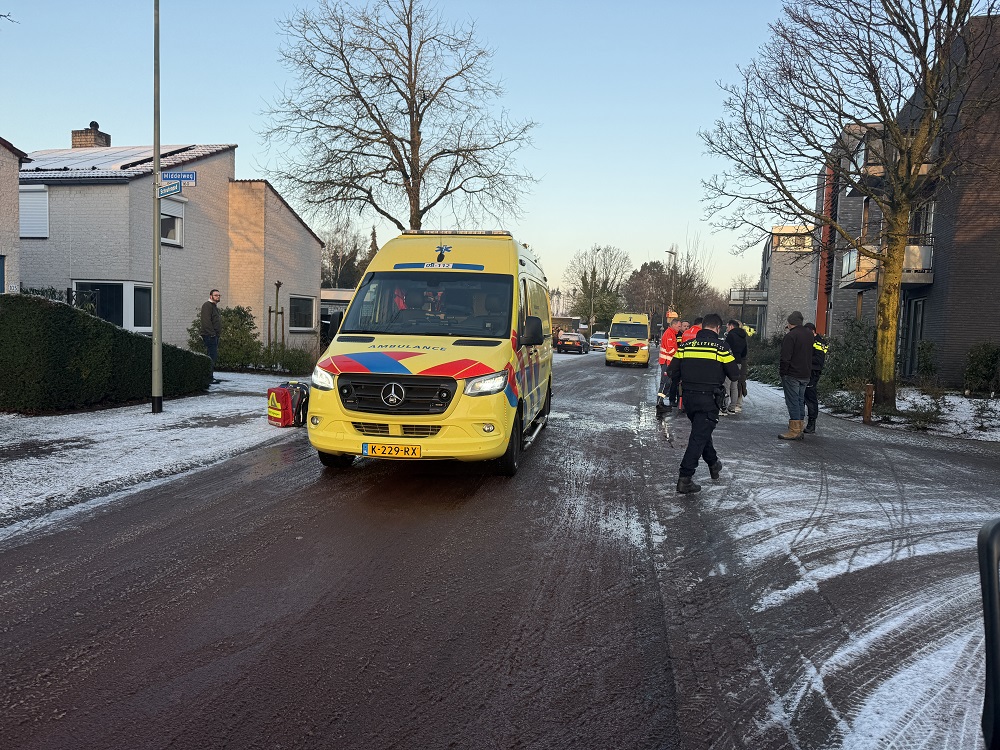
(91, 137)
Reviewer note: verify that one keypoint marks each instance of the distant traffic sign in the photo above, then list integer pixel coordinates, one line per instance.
(169, 189)
(187, 179)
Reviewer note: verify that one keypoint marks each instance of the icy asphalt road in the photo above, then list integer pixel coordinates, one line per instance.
(824, 594)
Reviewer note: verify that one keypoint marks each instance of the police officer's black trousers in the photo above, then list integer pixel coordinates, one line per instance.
(703, 411)
(812, 397)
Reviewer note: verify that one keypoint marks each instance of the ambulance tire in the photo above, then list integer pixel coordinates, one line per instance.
(508, 462)
(607, 363)
(334, 461)
(548, 405)
(646, 364)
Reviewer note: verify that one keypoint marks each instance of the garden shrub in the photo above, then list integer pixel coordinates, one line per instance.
(240, 349)
(982, 369)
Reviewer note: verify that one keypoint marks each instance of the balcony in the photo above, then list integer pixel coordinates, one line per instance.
(748, 297)
(860, 271)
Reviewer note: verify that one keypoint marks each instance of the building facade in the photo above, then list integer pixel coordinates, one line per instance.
(11, 160)
(788, 277)
(87, 227)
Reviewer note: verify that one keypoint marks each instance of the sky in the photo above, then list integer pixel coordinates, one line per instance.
(619, 92)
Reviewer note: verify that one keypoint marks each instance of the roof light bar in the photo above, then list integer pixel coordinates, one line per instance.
(454, 232)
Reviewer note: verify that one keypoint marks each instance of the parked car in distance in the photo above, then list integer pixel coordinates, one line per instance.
(572, 342)
(599, 341)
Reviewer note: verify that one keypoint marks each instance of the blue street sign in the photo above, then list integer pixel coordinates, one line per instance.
(187, 179)
(169, 189)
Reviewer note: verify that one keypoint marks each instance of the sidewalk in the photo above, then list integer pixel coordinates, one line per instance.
(51, 464)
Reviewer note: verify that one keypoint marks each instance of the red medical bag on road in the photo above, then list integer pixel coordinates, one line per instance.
(288, 404)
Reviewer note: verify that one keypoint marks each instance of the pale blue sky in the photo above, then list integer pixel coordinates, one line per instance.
(619, 90)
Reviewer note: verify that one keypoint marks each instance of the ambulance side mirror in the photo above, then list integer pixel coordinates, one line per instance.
(532, 332)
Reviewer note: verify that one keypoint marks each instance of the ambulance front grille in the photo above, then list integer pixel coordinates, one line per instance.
(372, 428)
(363, 392)
(627, 349)
(421, 430)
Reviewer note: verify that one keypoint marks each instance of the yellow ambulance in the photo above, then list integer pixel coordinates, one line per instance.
(444, 353)
(628, 340)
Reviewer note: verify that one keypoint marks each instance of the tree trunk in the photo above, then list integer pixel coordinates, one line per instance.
(890, 280)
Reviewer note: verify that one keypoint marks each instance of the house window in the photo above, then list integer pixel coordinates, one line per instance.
(34, 211)
(3, 281)
(127, 304)
(172, 221)
(142, 307)
(105, 300)
(300, 312)
(922, 225)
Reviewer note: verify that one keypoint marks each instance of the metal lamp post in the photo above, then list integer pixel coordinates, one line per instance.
(673, 275)
(593, 288)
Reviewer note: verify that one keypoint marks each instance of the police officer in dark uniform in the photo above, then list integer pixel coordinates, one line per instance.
(702, 365)
(819, 350)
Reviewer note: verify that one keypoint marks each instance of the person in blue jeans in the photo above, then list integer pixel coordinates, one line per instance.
(795, 369)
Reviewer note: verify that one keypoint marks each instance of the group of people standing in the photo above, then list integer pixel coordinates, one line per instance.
(705, 370)
(803, 354)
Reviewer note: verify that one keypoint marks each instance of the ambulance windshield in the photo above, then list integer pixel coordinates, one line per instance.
(427, 303)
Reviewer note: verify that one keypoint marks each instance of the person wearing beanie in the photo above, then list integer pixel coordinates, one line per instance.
(795, 369)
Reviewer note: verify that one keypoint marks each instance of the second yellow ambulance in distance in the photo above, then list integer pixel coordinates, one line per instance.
(628, 340)
(445, 353)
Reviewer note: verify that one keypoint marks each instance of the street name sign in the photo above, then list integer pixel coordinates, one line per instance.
(169, 189)
(187, 179)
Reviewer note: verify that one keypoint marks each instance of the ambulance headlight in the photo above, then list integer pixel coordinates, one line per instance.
(486, 385)
(322, 379)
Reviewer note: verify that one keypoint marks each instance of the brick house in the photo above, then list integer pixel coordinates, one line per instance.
(86, 225)
(787, 278)
(11, 160)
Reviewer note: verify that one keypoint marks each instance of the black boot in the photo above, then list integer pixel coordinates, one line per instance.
(810, 425)
(686, 485)
(715, 469)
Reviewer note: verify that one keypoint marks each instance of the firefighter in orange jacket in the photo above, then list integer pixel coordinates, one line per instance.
(691, 333)
(668, 348)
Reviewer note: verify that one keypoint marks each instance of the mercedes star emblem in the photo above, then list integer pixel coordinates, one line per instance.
(392, 394)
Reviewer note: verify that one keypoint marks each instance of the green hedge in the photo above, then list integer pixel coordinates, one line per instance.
(56, 358)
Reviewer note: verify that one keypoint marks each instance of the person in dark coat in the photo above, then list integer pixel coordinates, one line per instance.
(795, 369)
(736, 340)
(819, 350)
(211, 328)
(701, 365)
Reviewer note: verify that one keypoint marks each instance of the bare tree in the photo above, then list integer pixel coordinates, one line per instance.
(877, 97)
(344, 257)
(597, 276)
(391, 112)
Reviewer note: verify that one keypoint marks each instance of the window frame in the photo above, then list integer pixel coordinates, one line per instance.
(173, 207)
(29, 212)
(312, 313)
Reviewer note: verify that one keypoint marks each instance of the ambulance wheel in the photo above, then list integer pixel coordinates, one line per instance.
(645, 365)
(547, 407)
(509, 461)
(607, 363)
(334, 461)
